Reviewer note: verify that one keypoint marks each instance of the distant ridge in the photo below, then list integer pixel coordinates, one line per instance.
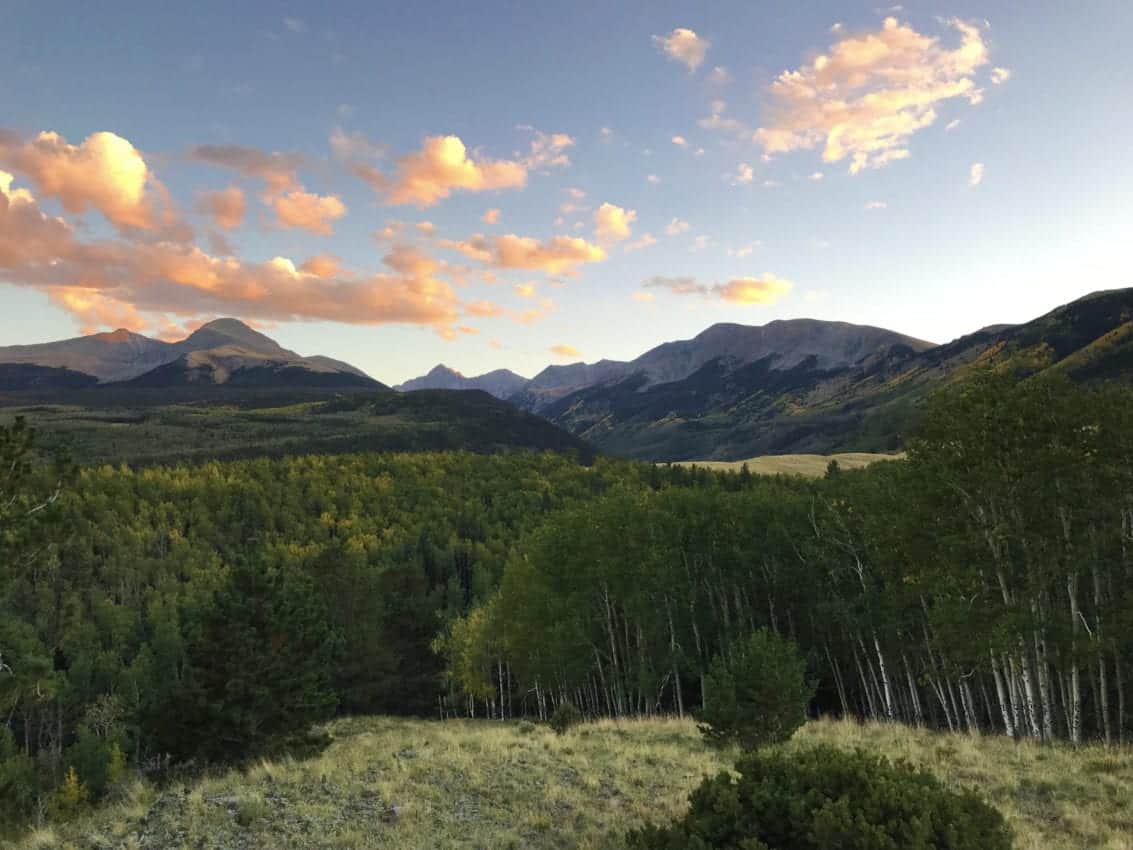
(222, 351)
(501, 383)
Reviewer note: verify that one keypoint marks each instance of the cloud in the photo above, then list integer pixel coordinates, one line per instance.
(565, 351)
(426, 228)
(676, 227)
(441, 167)
(276, 170)
(1000, 75)
(652, 179)
(684, 46)
(953, 124)
(322, 265)
(680, 141)
(490, 216)
(647, 240)
(976, 174)
(94, 311)
(105, 172)
(717, 121)
(613, 223)
(744, 174)
(226, 207)
(875, 205)
(525, 290)
(741, 290)
(353, 147)
(869, 94)
(558, 255)
(817, 175)
(548, 150)
(295, 24)
(643, 297)
(719, 76)
(307, 211)
(745, 250)
(115, 282)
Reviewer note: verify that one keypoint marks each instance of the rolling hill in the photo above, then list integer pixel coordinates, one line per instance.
(126, 423)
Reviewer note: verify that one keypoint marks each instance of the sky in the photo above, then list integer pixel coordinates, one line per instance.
(514, 184)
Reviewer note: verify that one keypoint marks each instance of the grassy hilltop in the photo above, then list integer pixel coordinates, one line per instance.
(420, 785)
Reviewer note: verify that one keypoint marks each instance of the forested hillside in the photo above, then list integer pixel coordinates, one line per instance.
(984, 583)
(178, 615)
(146, 426)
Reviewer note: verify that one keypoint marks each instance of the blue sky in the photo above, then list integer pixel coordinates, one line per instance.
(356, 101)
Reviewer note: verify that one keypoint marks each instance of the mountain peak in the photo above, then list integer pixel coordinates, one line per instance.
(502, 383)
(222, 332)
(119, 335)
(441, 370)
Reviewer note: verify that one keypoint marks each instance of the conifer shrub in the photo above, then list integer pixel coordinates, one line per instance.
(565, 716)
(757, 692)
(824, 798)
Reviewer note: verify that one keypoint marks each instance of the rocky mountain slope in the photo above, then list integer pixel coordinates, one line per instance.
(221, 352)
(816, 400)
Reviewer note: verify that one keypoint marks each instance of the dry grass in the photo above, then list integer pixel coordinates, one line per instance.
(808, 466)
(1055, 798)
(412, 785)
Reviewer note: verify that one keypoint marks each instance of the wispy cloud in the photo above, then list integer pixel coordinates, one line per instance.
(558, 255)
(766, 289)
(226, 206)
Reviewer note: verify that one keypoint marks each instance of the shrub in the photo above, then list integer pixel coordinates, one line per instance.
(71, 798)
(251, 808)
(565, 716)
(757, 692)
(525, 727)
(828, 799)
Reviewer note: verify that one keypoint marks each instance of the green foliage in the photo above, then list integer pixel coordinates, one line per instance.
(261, 666)
(146, 426)
(99, 762)
(823, 798)
(19, 780)
(565, 715)
(70, 799)
(757, 692)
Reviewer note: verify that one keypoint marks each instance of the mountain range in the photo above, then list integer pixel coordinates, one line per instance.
(733, 391)
(224, 351)
(803, 385)
(502, 383)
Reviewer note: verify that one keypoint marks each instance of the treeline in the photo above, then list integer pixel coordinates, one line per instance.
(161, 615)
(197, 613)
(984, 583)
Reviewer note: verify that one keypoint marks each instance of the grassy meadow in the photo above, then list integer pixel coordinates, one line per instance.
(808, 466)
(419, 785)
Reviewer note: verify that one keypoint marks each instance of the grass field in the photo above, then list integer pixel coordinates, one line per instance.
(412, 785)
(810, 466)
